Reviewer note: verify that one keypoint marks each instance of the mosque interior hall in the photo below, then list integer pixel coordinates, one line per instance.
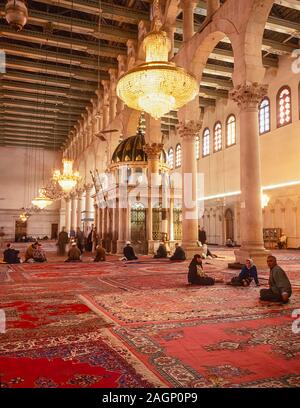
(149, 194)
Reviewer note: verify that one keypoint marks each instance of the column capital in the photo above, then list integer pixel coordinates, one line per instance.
(73, 195)
(88, 187)
(186, 4)
(153, 150)
(249, 95)
(189, 129)
(79, 192)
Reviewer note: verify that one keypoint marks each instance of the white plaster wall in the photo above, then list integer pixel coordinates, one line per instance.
(22, 172)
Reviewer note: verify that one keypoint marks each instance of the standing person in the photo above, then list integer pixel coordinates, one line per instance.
(89, 241)
(202, 235)
(196, 274)
(246, 275)
(63, 239)
(2, 235)
(72, 234)
(80, 239)
(95, 239)
(11, 255)
(280, 289)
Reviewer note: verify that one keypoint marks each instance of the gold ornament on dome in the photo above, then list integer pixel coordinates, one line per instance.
(157, 86)
(42, 201)
(67, 180)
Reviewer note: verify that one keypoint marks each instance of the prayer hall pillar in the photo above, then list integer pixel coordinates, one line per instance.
(89, 205)
(188, 131)
(153, 153)
(73, 210)
(68, 214)
(248, 97)
(96, 217)
(79, 208)
(171, 216)
(188, 7)
(123, 228)
(165, 201)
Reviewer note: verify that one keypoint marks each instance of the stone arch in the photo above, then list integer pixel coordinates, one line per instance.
(249, 64)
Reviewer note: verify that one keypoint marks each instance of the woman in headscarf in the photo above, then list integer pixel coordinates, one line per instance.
(246, 275)
(197, 276)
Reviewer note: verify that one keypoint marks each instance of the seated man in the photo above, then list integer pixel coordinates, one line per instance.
(229, 242)
(179, 254)
(39, 254)
(100, 254)
(280, 289)
(161, 251)
(74, 253)
(128, 252)
(282, 242)
(196, 274)
(29, 252)
(11, 255)
(246, 275)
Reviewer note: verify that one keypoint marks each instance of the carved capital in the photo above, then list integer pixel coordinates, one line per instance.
(153, 150)
(189, 129)
(88, 187)
(249, 95)
(122, 64)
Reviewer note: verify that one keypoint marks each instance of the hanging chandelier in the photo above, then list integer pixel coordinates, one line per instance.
(68, 179)
(157, 86)
(16, 14)
(42, 201)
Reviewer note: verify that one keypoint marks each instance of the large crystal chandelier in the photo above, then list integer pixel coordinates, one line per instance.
(16, 14)
(42, 201)
(157, 86)
(68, 179)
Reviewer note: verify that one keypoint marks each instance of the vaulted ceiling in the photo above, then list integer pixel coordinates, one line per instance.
(55, 64)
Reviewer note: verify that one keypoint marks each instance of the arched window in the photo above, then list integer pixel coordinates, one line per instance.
(171, 158)
(206, 141)
(284, 106)
(217, 137)
(264, 116)
(197, 147)
(230, 131)
(178, 156)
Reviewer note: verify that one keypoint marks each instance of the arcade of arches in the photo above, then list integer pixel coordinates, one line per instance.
(228, 162)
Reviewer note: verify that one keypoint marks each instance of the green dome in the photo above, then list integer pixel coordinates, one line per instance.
(132, 150)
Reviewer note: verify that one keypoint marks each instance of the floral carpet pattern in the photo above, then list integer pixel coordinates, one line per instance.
(140, 324)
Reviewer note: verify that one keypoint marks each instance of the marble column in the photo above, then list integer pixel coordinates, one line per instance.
(68, 214)
(153, 153)
(79, 208)
(188, 7)
(73, 211)
(248, 97)
(171, 217)
(123, 229)
(188, 131)
(89, 205)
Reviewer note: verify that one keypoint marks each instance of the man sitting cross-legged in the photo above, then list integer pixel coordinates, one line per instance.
(280, 289)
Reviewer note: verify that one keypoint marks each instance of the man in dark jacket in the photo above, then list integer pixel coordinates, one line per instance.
(128, 252)
(161, 251)
(280, 289)
(202, 235)
(179, 254)
(11, 255)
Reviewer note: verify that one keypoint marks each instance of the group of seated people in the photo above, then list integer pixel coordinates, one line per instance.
(280, 289)
(34, 253)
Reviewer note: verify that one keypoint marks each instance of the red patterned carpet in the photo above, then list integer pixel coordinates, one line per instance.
(140, 324)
